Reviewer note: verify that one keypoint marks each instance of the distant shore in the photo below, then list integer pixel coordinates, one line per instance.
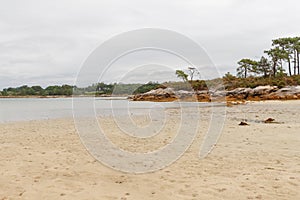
(33, 96)
(54, 96)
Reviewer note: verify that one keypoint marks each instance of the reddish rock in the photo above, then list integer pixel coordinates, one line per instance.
(239, 94)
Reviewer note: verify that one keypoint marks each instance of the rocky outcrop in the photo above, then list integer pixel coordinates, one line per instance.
(160, 94)
(265, 93)
(169, 94)
(238, 94)
(287, 93)
(258, 93)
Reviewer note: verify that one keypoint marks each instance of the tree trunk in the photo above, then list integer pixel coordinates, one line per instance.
(295, 63)
(289, 64)
(274, 68)
(298, 62)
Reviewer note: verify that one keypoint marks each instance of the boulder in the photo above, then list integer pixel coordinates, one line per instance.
(263, 90)
(239, 93)
(286, 93)
(159, 94)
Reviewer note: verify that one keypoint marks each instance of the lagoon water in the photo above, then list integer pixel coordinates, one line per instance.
(25, 109)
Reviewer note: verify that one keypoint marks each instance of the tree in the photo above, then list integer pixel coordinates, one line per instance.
(182, 75)
(38, 90)
(103, 88)
(246, 66)
(264, 67)
(296, 48)
(148, 87)
(286, 46)
(228, 76)
(67, 90)
(277, 55)
(290, 48)
(192, 71)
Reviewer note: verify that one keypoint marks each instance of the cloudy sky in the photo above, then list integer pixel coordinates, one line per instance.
(46, 42)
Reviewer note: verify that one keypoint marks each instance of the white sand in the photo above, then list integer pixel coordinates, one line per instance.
(46, 160)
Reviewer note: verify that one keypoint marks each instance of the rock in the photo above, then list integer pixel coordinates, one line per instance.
(243, 124)
(286, 93)
(221, 93)
(130, 97)
(161, 91)
(159, 94)
(239, 94)
(184, 93)
(269, 120)
(264, 90)
(203, 96)
(168, 94)
(239, 91)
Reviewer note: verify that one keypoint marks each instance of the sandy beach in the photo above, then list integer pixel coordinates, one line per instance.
(46, 160)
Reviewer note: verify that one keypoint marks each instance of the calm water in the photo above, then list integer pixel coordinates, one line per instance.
(24, 109)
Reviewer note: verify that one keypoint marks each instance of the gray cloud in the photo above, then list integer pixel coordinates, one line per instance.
(45, 42)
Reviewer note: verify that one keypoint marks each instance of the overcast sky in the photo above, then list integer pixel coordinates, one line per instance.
(45, 42)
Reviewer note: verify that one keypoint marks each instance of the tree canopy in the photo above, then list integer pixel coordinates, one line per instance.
(284, 54)
(180, 74)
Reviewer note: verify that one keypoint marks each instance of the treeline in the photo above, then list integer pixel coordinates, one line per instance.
(97, 89)
(25, 90)
(103, 89)
(281, 59)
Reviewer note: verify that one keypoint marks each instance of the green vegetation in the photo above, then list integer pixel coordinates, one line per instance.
(195, 85)
(231, 82)
(37, 91)
(93, 90)
(180, 74)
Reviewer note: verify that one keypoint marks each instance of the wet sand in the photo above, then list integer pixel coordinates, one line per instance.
(46, 160)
